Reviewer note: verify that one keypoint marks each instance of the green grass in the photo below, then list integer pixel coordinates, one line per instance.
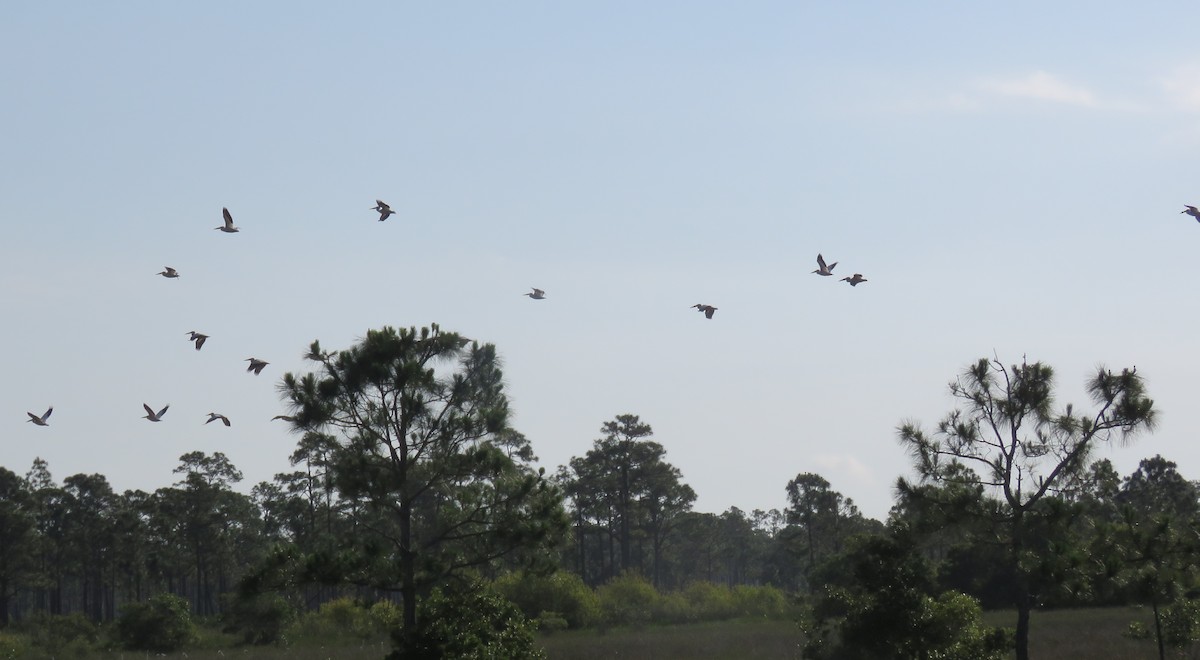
(1084, 634)
(724, 640)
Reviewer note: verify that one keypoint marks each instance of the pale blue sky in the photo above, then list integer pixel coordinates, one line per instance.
(1008, 179)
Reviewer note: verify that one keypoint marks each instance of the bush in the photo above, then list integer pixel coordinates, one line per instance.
(161, 624)
(563, 593)
(346, 617)
(59, 635)
(1181, 624)
(260, 619)
(763, 601)
(627, 599)
(13, 645)
(474, 624)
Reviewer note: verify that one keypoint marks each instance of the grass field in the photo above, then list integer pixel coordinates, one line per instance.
(1088, 634)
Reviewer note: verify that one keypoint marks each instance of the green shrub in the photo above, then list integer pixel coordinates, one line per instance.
(627, 599)
(762, 601)
(60, 635)
(13, 645)
(550, 622)
(561, 592)
(259, 619)
(1181, 624)
(474, 624)
(1137, 630)
(161, 624)
(710, 602)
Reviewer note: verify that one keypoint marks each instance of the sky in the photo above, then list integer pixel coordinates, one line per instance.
(1008, 178)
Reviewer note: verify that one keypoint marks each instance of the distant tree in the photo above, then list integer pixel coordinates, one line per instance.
(17, 540)
(436, 480)
(625, 490)
(1156, 537)
(1024, 449)
(820, 520)
(881, 602)
(90, 504)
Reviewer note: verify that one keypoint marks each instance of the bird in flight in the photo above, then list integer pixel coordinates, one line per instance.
(169, 272)
(256, 365)
(383, 208)
(822, 269)
(286, 418)
(40, 421)
(856, 280)
(228, 227)
(1192, 211)
(212, 417)
(537, 294)
(198, 338)
(155, 416)
(708, 310)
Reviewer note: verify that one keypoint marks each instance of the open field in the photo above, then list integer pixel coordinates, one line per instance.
(1085, 634)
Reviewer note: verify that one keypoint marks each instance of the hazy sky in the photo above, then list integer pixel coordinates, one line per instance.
(1008, 178)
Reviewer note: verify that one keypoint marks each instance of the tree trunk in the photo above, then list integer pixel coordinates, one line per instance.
(408, 573)
(1158, 628)
(1024, 601)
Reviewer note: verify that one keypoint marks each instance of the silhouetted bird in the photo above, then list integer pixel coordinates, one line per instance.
(384, 210)
(854, 281)
(537, 294)
(169, 272)
(256, 365)
(212, 417)
(1192, 211)
(822, 269)
(40, 421)
(708, 310)
(228, 227)
(154, 416)
(198, 338)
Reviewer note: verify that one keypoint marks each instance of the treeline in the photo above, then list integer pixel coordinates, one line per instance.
(409, 486)
(78, 546)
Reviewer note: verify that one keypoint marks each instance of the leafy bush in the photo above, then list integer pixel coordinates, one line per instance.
(627, 599)
(550, 622)
(60, 635)
(562, 592)
(260, 619)
(346, 617)
(161, 624)
(474, 624)
(762, 601)
(1137, 630)
(1181, 624)
(13, 645)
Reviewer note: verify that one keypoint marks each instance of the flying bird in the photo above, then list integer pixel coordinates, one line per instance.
(707, 309)
(228, 227)
(383, 208)
(822, 269)
(198, 338)
(1192, 211)
(854, 281)
(40, 421)
(256, 365)
(169, 272)
(155, 416)
(537, 294)
(286, 418)
(212, 417)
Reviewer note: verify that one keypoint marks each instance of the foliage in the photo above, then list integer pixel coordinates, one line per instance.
(1008, 429)
(59, 635)
(344, 618)
(563, 594)
(474, 623)
(1181, 624)
(623, 489)
(258, 618)
(627, 599)
(884, 608)
(424, 457)
(162, 624)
